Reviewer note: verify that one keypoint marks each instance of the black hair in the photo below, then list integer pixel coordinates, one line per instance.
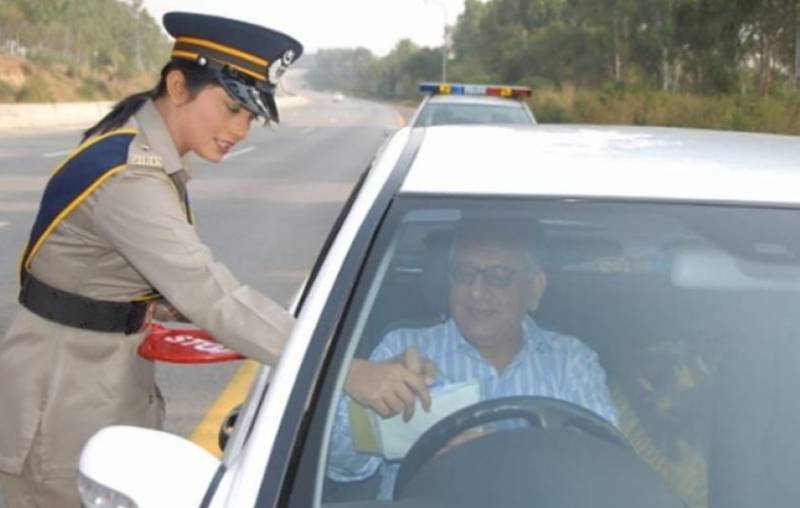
(525, 234)
(197, 78)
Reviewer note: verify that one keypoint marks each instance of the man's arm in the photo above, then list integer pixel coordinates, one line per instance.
(374, 382)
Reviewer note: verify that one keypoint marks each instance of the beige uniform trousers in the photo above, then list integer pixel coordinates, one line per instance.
(85, 381)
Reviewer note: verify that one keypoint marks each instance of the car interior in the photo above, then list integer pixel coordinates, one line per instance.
(692, 312)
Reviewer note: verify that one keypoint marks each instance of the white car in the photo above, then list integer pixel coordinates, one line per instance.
(468, 104)
(672, 254)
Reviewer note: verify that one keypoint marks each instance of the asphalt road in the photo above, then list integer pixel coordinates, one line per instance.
(264, 211)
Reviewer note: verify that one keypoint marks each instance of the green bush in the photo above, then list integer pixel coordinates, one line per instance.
(43, 57)
(549, 111)
(93, 89)
(621, 105)
(34, 90)
(124, 73)
(6, 92)
(537, 83)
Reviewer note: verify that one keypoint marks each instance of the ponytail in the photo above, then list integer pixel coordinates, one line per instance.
(197, 78)
(120, 114)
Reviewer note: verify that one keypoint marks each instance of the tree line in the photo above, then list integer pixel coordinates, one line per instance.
(93, 34)
(706, 47)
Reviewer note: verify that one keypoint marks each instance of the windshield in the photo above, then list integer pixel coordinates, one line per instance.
(562, 353)
(463, 113)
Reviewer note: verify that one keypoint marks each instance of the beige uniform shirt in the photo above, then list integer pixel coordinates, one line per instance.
(129, 236)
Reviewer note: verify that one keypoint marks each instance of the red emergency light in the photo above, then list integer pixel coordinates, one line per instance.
(509, 91)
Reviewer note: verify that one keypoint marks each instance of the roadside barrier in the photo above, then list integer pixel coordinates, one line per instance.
(75, 114)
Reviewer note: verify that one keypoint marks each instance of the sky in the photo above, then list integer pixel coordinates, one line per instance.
(321, 24)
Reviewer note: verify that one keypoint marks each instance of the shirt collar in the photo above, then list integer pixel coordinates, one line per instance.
(157, 137)
(534, 336)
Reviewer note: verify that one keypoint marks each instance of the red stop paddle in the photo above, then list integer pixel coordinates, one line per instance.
(184, 345)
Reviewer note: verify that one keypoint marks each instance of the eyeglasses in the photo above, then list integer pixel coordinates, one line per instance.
(495, 276)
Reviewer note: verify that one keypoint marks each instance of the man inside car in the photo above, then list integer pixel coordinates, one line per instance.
(495, 280)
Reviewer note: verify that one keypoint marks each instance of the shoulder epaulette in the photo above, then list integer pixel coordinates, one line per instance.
(85, 170)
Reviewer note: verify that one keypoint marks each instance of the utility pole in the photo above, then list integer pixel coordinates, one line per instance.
(445, 45)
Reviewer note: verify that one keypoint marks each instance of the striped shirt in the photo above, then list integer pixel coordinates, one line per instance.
(548, 364)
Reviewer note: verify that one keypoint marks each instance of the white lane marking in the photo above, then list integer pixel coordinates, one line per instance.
(307, 130)
(52, 155)
(3, 224)
(240, 152)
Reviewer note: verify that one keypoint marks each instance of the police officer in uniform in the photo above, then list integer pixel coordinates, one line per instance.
(114, 237)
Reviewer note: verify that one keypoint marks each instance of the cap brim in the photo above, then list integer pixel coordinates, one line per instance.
(257, 101)
(272, 106)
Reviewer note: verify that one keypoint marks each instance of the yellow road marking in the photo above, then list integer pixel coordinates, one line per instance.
(205, 434)
(400, 120)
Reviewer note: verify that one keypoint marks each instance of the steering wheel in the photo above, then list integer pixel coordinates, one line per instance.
(542, 412)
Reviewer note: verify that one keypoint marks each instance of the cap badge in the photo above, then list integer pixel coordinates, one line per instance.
(279, 66)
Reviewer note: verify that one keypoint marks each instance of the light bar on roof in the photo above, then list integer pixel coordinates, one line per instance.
(515, 92)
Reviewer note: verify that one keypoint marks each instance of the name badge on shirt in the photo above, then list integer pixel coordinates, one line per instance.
(147, 160)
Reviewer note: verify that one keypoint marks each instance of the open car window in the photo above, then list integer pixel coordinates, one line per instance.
(654, 364)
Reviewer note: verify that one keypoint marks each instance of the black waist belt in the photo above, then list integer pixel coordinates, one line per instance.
(79, 311)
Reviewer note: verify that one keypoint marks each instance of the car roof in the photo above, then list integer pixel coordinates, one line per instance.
(606, 162)
(474, 99)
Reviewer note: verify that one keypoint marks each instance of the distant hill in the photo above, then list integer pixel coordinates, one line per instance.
(71, 50)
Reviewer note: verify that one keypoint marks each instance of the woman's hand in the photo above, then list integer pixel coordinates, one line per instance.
(166, 312)
(391, 387)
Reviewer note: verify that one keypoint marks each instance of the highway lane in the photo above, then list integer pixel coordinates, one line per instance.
(264, 211)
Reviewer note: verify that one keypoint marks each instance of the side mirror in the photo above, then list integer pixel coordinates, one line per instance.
(228, 424)
(124, 466)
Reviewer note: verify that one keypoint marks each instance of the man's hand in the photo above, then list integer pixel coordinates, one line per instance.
(391, 387)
